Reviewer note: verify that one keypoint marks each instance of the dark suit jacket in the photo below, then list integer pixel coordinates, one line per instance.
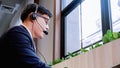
(17, 50)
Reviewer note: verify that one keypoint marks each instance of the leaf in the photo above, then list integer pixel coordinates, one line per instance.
(83, 50)
(75, 54)
(118, 35)
(109, 35)
(97, 45)
(70, 54)
(115, 35)
(105, 39)
(57, 61)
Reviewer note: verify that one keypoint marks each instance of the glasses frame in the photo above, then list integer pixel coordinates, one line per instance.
(46, 19)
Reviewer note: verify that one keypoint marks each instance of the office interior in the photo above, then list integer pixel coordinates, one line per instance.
(75, 24)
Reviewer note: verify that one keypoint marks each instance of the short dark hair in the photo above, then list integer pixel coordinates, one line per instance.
(32, 8)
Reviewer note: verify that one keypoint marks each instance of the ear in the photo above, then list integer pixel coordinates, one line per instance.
(33, 16)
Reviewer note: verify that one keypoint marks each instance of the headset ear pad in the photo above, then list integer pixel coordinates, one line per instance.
(33, 16)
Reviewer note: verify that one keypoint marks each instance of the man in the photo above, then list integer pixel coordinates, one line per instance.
(17, 48)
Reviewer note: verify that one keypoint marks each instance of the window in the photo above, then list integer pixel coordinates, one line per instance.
(84, 22)
(115, 11)
(85, 28)
(72, 35)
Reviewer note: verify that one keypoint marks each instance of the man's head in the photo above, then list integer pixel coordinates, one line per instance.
(38, 16)
(34, 8)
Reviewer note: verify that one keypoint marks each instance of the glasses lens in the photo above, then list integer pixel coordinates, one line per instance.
(46, 19)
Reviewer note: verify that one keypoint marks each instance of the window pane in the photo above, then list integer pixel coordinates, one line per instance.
(65, 3)
(72, 35)
(115, 10)
(91, 22)
(83, 26)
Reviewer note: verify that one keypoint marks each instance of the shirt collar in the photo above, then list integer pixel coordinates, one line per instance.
(28, 31)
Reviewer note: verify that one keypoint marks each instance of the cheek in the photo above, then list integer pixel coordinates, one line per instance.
(38, 30)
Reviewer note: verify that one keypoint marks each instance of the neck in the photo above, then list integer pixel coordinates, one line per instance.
(29, 25)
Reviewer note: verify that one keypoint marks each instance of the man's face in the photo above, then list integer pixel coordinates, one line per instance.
(41, 25)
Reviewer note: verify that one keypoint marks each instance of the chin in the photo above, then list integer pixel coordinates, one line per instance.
(41, 36)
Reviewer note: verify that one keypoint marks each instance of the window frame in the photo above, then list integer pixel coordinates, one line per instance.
(106, 20)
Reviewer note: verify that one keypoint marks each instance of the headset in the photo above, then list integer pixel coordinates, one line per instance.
(34, 14)
(33, 17)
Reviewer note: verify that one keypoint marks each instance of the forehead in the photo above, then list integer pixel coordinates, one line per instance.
(45, 15)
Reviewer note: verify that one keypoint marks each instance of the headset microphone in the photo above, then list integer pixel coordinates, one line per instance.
(46, 33)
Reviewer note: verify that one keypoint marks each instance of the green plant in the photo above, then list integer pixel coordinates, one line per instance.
(70, 55)
(83, 50)
(95, 46)
(56, 61)
(110, 36)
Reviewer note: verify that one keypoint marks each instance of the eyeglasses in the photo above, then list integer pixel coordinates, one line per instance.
(46, 19)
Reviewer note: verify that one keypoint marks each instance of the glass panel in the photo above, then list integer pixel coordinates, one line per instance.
(115, 10)
(91, 22)
(83, 26)
(65, 3)
(72, 35)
